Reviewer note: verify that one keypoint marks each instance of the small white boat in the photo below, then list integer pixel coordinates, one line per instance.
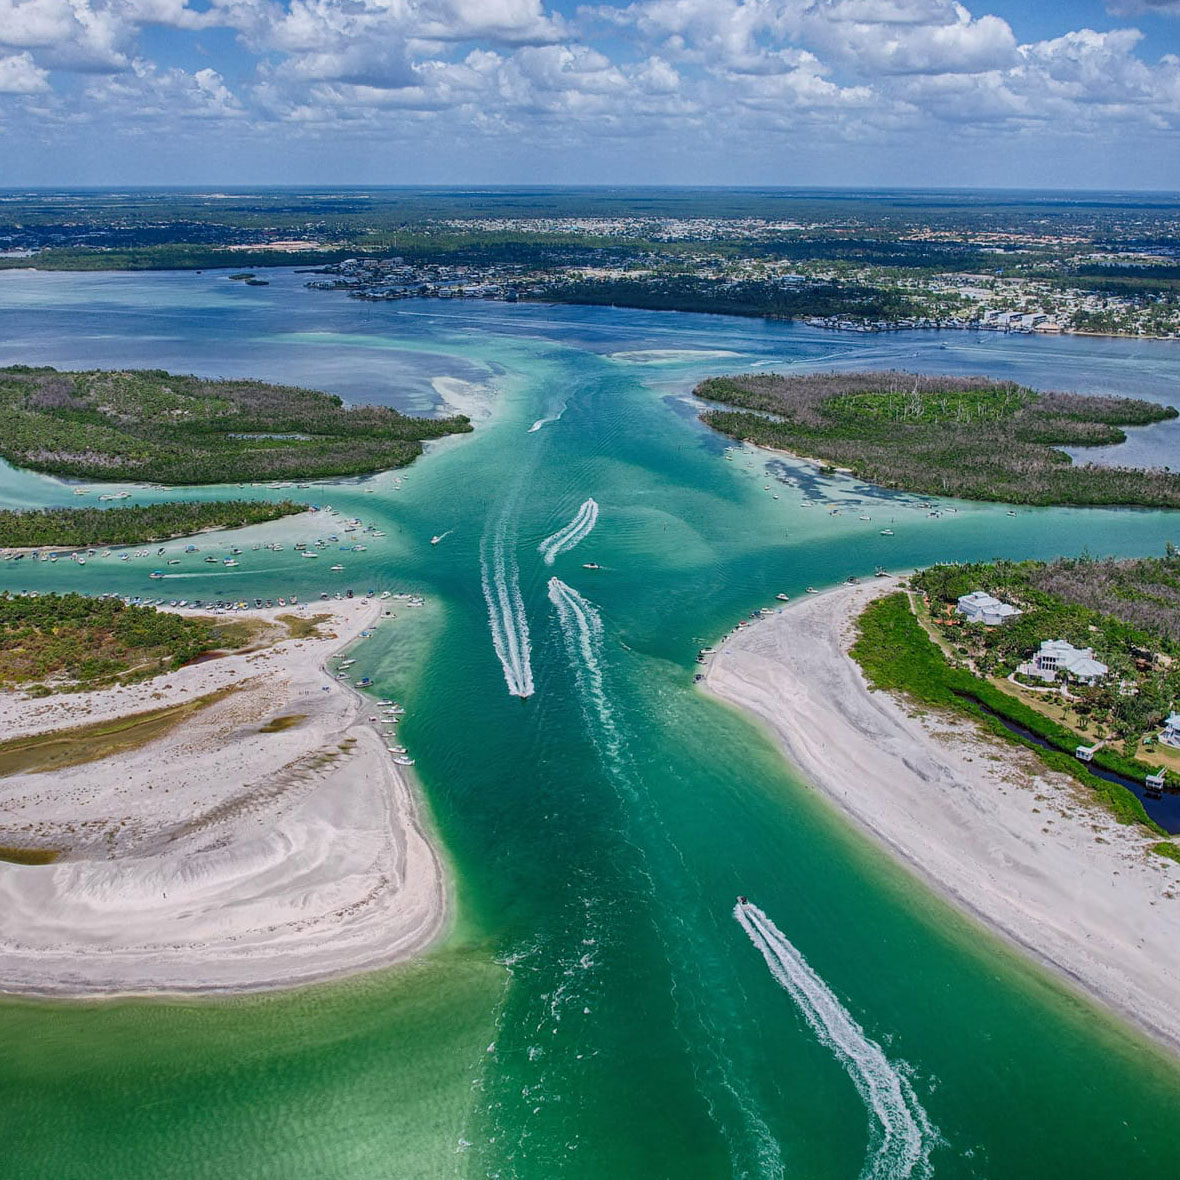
(404, 761)
(229, 561)
(336, 569)
(783, 597)
(887, 532)
(309, 553)
(812, 590)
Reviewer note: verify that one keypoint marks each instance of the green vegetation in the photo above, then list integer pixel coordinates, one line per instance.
(303, 628)
(284, 722)
(1164, 848)
(28, 856)
(84, 642)
(1127, 611)
(946, 436)
(896, 654)
(43, 753)
(155, 426)
(688, 292)
(75, 528)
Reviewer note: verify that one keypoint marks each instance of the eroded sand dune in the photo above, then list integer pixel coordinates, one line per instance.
(218, 857)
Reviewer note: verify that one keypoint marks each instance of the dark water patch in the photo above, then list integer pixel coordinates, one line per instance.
(1164, 809)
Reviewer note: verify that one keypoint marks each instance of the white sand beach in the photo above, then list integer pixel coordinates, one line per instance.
(218, 858)
(1024, 849)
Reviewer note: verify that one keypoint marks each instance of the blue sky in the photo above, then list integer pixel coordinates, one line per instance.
(797, 92)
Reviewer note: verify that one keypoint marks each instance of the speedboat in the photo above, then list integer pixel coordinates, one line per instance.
(887, 532)
(812, 590)
(229, 561)
(591, 565)
(336, 569)
(783, 597)
(404, 761)
(174, 561)
(156, 574)
(743, 899)
(435, 539)
(309, 553)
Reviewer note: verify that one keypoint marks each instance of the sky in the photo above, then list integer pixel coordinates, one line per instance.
(924, 93)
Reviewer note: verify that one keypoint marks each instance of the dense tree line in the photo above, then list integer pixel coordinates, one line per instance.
(946, 436)
(92, 640)
(1141, 594)
(1127, 611)
(159, 427)
(71, 528)
(897, 655)
(745, 297)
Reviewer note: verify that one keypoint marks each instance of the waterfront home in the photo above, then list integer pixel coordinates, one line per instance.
(1058, 657)
(1171, 731)
(980, 607)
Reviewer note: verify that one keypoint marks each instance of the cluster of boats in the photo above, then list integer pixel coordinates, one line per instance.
(389, 717)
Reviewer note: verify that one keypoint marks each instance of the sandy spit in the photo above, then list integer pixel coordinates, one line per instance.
(218, 858)
(984, 823)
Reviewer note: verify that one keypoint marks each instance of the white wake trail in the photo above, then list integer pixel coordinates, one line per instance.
(581, 628)
(540, 422)
(901, 1134)
(566, 538)
(500, 578)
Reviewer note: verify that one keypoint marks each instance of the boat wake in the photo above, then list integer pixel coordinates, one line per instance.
(581, 628)
(548, 420)
(901, 1134)
(500, 577)
(566, 538)
(754, 1149)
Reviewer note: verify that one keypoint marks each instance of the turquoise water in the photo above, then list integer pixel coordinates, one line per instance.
(597, 1010)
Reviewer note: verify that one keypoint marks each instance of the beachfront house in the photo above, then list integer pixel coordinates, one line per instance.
(1171, 732)
(980, 607)
(1056, 657)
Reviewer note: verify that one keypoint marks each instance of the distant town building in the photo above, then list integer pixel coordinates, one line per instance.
(979, 607)
(1058, 657)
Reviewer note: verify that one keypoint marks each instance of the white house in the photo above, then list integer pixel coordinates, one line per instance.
(1076, 662)
(979, 607)
(1171, 733)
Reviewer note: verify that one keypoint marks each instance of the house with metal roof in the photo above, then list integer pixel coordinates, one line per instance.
(1056, 657)
(981, 607)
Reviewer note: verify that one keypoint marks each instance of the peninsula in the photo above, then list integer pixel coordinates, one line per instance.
(969, 437)
(268, 840)
(1026, 849)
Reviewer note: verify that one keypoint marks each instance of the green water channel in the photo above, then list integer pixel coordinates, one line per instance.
(596, 1009)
